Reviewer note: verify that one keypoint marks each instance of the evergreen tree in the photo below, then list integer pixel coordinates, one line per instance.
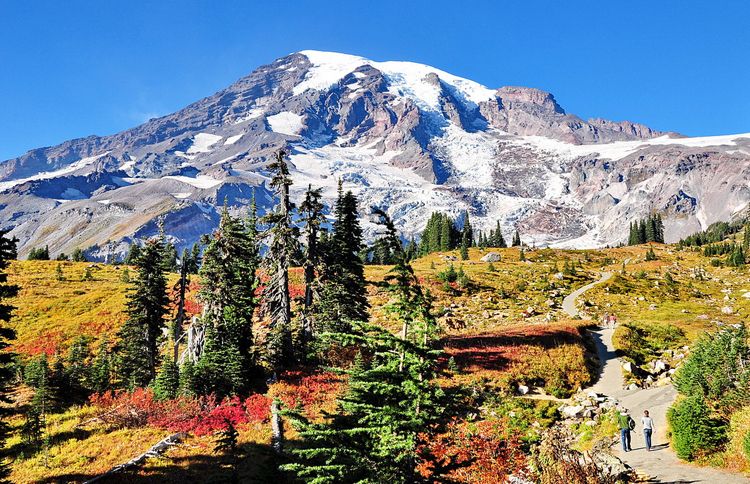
(651, 229)
(311, 210)
(516, 239)
(499, 240)
(642, 231)
(465, 243)
(343, 297)
(467, 230)
(133, 254)
(37, 376)
(39, 253)
(391, 396)
(167, 381)
(78, 255)
(101, 369)
(445, 234)
(283, 243)
(59, 274)
(228, 284)
(146, 309)
(78, 372)
(7, 334)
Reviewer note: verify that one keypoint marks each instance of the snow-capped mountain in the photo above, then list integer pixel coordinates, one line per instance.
(403, 136)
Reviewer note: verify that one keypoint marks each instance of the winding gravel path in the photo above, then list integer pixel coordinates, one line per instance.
(661, 464)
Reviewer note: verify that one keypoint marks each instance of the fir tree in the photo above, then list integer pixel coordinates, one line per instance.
(7, 334)
(465, 243)
(642, 231)
(167, 381)
(467, 231)
(228, 284)
(391, 395)
(78, 255)
(146, 309)
(39, 253)
(78, 372)
(311, 210)
(101, 369)
(516, 239)
(343, 296)
(59, 274)
(133, 254)
(283, 243)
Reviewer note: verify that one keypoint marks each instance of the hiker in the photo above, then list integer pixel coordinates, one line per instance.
(648, 428)
(626, 424)
(612, 321)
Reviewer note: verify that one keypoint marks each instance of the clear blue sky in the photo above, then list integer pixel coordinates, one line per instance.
(72, 68)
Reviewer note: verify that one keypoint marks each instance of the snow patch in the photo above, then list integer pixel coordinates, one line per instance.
(286, 122)
(233, 139)
(202, 142)
(46, 175)
(201, 181)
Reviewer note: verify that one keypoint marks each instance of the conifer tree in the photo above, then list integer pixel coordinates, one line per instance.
(228, 284)
(7, 334)
(59, 274)
(78, 255)
(101, 369)
(642, 231)
(343, 297)
(37, 376)
(465, 246)
(77, 370)
(311, 210)
(167, 381)
(391, 395)
(467, 230)
(146, 309)
(133, 254)
(516, 239)
(283, 243)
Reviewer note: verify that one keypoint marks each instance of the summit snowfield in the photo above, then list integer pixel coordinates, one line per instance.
(403, 136)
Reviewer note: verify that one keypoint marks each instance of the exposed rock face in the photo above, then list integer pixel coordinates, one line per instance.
(403, 136)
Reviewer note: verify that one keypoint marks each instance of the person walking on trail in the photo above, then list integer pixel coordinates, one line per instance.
(605, 320)
(648, 428)
(626, 424)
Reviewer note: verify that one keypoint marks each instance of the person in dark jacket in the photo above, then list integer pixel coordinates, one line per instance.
(626, 424)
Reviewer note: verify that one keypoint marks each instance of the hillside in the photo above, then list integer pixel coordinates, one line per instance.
(503, 328)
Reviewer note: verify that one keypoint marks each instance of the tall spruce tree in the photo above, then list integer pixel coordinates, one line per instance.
(146, 308)
(282, 245)
(391, 396)
(311, 210)
(7, 334)
(343, 295)
(516, 239)
(228, 284)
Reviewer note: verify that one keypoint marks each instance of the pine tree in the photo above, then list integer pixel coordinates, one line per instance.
(59, 274)
(642, 231)
(101, 369)
(146, 309)
(467, 230)
(7, 334)
(228, 284)
(77, 371)
(499, 240)
(391, 395)
(516, 239)
(37, 376)
(78, 255)
(343, 296)
(651, 229)
(445, 234)
(465, 243)
(133, 254)
(311, 210)
(39, 253)
(283, 243)
(167, 381)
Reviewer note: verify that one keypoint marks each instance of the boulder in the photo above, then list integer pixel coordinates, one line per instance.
(571, 410)
(633, 386)
(523, 389)
(727, 310)
(627, 366)
(659, 366)
(491, 257)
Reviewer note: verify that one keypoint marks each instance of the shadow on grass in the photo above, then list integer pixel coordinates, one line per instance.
(256, 464)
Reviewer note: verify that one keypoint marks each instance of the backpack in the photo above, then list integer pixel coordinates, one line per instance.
(631, 423)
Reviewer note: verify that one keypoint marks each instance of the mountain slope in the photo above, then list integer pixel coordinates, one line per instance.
(403, 136)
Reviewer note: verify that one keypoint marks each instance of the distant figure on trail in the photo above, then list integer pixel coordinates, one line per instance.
(605, 320)
(626, 424)
(612, 321)
(648, 428)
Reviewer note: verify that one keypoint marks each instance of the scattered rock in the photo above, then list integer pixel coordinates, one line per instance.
(727, 310)
(633, 386)
(523, 389)
(491, 257)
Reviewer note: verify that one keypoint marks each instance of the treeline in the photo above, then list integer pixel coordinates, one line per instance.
(443, 233)
(649, 229)
(716, 232)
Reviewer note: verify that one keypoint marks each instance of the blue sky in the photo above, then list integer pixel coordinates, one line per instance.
(71, 68)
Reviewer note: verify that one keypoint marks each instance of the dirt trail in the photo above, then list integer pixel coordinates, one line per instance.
(661, 464)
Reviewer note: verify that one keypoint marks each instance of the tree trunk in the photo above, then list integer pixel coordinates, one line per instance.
(277, 428)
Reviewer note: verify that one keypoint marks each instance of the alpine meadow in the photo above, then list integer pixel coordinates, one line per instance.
(346, 270)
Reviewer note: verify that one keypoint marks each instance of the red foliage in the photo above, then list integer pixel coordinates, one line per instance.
(470, 452)
(198, 415)
(48, 343)
(311, 391)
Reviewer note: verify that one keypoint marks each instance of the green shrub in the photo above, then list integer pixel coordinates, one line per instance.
(448, 275)
(746, 445)
(695, 431)
(717, 369)
(642, 342)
